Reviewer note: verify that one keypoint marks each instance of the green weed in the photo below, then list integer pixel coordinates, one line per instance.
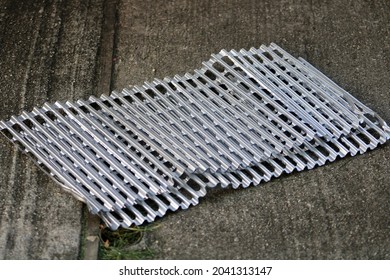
(117, 245)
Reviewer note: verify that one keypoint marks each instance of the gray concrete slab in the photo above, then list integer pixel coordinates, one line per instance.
(63, 50)
(49, 50)
(333, 212)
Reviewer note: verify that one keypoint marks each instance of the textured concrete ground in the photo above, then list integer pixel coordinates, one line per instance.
(49, 50)
(55, 50)
(337, 211)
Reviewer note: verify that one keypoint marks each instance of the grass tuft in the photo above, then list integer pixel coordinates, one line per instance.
(117, 245)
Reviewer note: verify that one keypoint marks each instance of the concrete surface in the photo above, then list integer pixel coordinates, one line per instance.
(340, 211)
(58, 50)
(49, 50)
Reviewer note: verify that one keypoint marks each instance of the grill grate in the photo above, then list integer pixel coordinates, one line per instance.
(242, 119)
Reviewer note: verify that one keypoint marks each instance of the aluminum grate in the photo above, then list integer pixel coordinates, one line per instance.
(243, 118)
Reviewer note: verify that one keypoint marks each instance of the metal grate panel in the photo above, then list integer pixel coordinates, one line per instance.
(242, 119)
